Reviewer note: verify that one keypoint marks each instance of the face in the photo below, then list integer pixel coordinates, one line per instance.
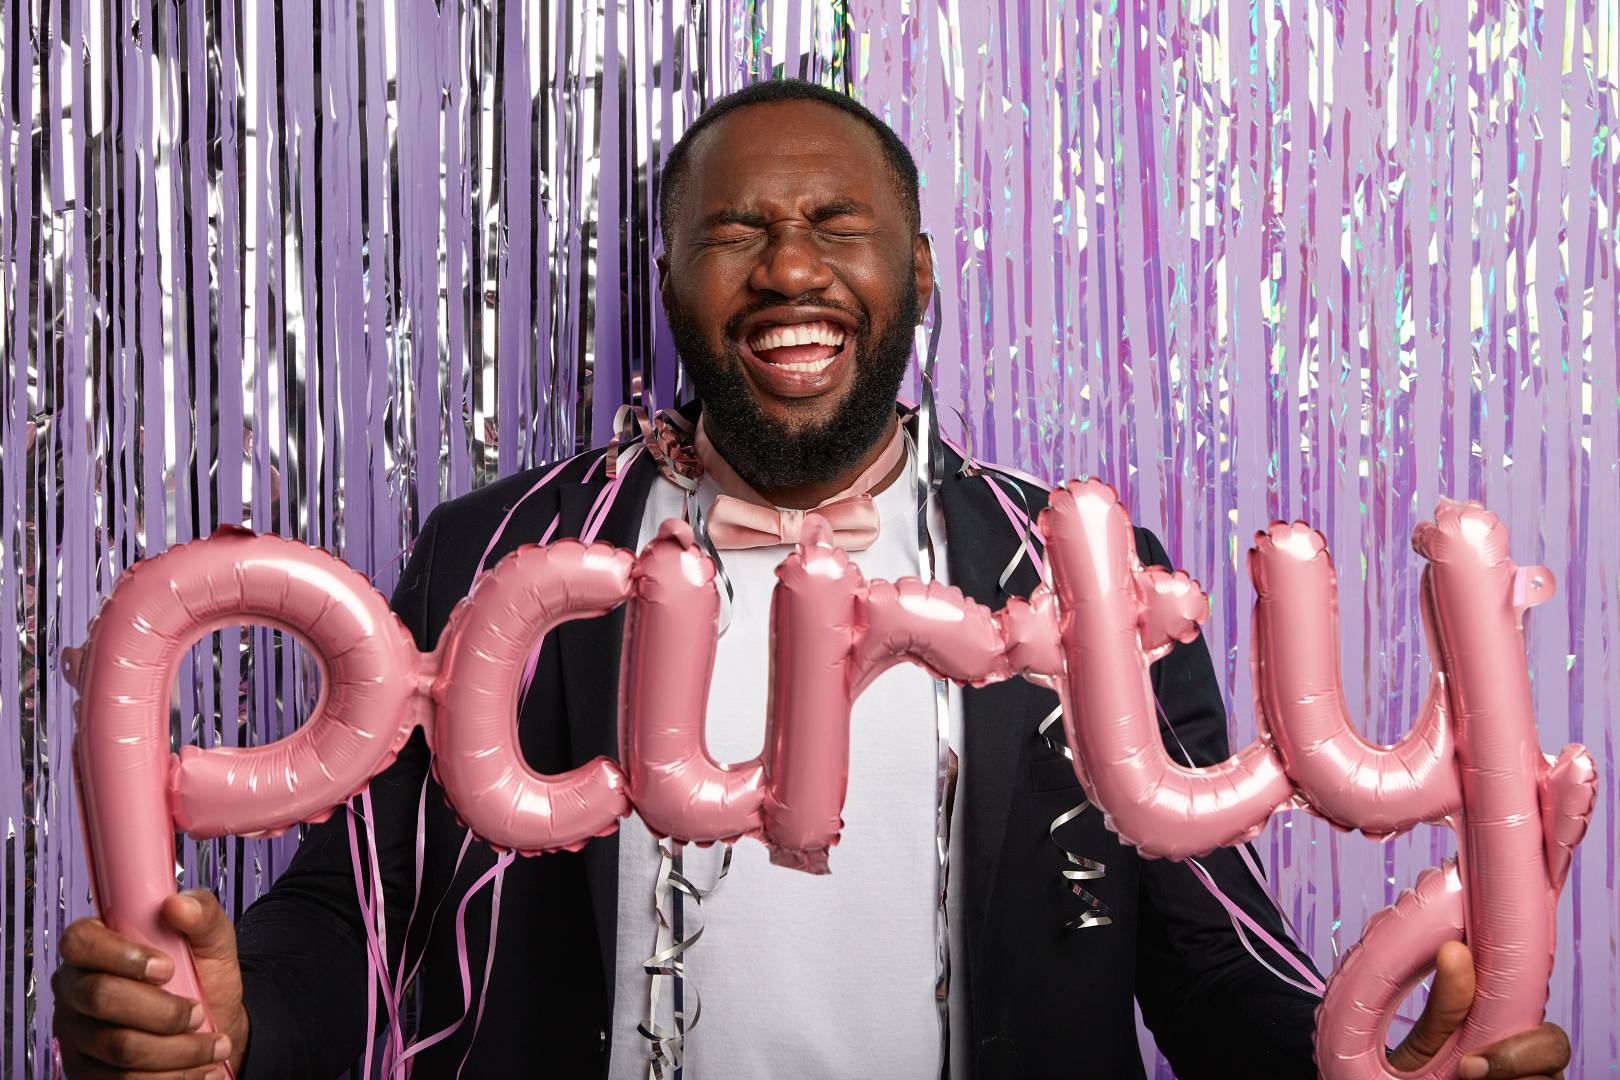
(792, 281)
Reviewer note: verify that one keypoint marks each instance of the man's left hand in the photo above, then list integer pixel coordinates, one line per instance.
(1538, 1054)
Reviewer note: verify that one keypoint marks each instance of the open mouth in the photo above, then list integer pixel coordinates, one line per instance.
(807, 347)
(796, 357)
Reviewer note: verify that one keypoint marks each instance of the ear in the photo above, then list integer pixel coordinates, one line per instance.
(662, 262)
(922, 266)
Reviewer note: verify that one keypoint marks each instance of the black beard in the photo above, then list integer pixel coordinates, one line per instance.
(772, 456)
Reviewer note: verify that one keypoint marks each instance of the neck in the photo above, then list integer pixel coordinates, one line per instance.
(812, 493)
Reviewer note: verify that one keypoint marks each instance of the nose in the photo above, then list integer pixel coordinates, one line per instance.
(790, 264)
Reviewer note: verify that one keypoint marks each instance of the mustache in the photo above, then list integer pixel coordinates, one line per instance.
(733, 325)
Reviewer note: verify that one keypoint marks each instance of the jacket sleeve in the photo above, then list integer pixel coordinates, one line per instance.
(1211, 1005)
(303, 944)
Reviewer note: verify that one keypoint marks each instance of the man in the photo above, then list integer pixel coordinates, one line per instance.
(793, 276)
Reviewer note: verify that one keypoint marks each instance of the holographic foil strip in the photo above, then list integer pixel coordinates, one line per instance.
(316, 267)
(1300, 259)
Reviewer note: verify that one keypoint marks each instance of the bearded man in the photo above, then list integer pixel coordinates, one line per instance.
(794, 273)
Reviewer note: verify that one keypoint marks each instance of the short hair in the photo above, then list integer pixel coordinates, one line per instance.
(673, 177)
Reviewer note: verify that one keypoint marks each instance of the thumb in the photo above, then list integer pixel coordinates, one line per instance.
(1450, 998)
(196, 914)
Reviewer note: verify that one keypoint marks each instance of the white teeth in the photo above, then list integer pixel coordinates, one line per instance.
(811, 333)
(809, 366)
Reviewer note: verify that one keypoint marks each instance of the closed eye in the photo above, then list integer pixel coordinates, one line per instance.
(844, 231)
(842, 220)
(730, 237)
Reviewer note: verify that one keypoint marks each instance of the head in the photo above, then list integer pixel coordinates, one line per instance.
(793, 273)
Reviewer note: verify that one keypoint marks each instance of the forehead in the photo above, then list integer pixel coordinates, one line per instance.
(789, 152)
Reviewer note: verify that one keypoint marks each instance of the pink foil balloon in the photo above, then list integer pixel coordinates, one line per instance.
(1518, 822)
(813, 621)
(932, 625)
(1030, 629)
(1346, 779)
(832, 634)
(476, 756)
(1091, 631)
(1116, 618)
(1472, 760)
(135, 794)
(669, 645)
(1395, 953)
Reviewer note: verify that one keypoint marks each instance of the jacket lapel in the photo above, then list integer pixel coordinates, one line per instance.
(998, 720)
(589, 653)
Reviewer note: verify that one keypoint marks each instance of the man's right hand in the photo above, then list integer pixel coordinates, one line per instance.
(113, 1018)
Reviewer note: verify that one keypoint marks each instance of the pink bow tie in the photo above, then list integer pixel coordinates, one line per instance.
(737, 523)
(741, 518)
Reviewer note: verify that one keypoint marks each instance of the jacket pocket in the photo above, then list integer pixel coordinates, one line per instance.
(1052, 772)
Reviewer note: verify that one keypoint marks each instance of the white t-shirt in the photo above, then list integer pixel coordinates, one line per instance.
(812, 976)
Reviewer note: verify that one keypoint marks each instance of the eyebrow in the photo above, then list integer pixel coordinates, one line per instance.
(753, 219)
(837, 208)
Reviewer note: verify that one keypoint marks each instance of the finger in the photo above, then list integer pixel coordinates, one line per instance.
(75, 1066)
(88, 943)
(124, 1002)
(1449, 1000)
(196, 914)
(78, 1067)
(131, 1050)
(1542, 1051)
(74, 1035)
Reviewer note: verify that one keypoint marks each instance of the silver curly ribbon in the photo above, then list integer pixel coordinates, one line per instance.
(1080, 868)
(972, 466)
(700, 529)
(666, 966)
(668, 1045)
(928, 456)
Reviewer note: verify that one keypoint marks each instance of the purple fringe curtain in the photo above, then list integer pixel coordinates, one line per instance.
(314, 267)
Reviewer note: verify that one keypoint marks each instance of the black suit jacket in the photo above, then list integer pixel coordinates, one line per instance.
(1045, 1001)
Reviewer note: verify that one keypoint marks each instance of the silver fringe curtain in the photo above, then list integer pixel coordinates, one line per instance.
(314, 267)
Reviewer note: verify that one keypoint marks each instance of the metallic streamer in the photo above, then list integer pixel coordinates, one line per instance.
(666, 966)
(315, 268)
(1083, 869)
(928, 459)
